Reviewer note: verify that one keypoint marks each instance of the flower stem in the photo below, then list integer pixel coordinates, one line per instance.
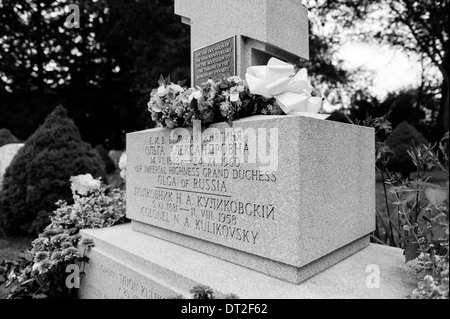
(392, 239)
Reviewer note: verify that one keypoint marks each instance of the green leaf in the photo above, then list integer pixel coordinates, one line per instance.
(27, 257)
(436, 196)
(411, 251)
(426, 184)
(14, 286)
(167, 82)
(26, 282)
(438, 232)
(161, 80)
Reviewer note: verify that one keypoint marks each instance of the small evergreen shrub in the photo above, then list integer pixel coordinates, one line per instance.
(40, 273)
(399, 142)
(7, 138)
(39, 175)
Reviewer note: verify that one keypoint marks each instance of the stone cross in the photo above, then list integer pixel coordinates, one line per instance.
(227, 36)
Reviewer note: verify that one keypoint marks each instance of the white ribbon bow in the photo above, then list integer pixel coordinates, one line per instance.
(278, 80)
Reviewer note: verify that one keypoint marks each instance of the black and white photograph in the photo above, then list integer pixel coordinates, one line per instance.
(217, 155)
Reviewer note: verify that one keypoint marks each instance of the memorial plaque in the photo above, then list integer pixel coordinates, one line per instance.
(215, 61)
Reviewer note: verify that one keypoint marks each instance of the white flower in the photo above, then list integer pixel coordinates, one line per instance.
(123, 165)
(241, 87)
(195, 95)
(234, 95)
(158, 105)
(224, 106)
(83, 184)
(198, 95)
(176, 88)
(37, 266)
(162, 90)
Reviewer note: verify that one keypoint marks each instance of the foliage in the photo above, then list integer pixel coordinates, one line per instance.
(42, 274)
(402, 108)
(228, 99)
(97, 71)
(420, 222)
(415, 106)
(434, 285)
(101, 71)
(7, 138)
(326, 68)
(399, 142)
(418, 27)
(13, 274)
(204, 292)
(39, 174)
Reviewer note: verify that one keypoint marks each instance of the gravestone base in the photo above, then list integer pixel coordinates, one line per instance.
(267, 266)
(128, 264)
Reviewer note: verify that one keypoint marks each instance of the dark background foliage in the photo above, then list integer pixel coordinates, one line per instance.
(399, 141)
(6, 137)
(414, 27)
(39, 174)
(103, 71)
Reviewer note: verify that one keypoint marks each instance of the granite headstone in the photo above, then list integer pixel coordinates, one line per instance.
(272, 193)
(7, 153)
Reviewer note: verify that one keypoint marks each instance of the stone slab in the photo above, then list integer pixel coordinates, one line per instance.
(128, 264)
(318, 198)
(266, 266)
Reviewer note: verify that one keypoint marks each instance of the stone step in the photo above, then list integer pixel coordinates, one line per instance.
(128, 264)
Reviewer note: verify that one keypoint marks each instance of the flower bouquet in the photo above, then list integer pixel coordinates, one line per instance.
(275, 89)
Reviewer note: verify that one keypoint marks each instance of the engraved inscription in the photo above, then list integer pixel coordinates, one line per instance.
(125, 286)
(200, 197)
(215, 61)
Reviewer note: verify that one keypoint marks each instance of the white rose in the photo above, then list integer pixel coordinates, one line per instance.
(162, 90)
(83, 184)
(37, 266)
(195, 95)
(176, 88)
(123, 165)
(241, 87)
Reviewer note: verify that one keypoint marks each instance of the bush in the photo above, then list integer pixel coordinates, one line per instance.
(39, 175)
(7, 138)
(41, 272)
(399, 142)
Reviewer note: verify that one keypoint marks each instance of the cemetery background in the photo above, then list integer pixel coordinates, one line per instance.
(138, 75)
